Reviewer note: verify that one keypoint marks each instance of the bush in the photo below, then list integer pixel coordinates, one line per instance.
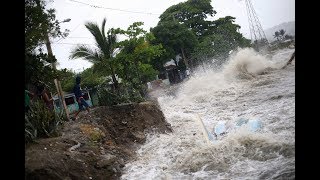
(128, 94)
(108, 98)
(135, 95)
(40, 122)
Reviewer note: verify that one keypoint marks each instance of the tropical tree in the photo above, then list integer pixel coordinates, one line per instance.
(192, 13)
(213, 38)
(223, 37)
(281, 33)
(135, 54)
(276, 35)
(102, 56)
(40, 24)
(176, 38)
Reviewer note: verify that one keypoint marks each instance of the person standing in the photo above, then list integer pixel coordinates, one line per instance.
(79, 97)
(42, 94)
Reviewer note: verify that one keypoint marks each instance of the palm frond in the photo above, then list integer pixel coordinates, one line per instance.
(112, 39)
(83, 51)
(98, 36)
(102, 29)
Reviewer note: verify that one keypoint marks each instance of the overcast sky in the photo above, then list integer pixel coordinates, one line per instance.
(270, 13)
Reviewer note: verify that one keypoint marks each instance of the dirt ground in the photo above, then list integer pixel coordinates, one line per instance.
(97, 145)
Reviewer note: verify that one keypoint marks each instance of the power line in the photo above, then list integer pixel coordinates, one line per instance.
(74, 44)
(95, 6)
(72, 30)
(69, 33)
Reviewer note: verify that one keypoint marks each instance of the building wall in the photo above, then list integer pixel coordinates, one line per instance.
(72, 107)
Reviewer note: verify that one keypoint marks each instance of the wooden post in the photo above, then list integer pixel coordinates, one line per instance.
(50, 54)
(58, 84)
(290, 60)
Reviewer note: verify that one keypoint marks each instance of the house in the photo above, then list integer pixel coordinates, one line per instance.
(172, 71)
(71, 102)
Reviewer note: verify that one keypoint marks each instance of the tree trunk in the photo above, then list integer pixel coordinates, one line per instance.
(114, 80)
(184, 58)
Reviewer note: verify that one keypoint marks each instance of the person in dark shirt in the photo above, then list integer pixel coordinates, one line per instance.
(79, 96)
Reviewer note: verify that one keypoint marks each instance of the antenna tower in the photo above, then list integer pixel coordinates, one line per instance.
(257, 34)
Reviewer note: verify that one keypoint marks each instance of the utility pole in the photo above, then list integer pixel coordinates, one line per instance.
(56, 81)
(50, 55)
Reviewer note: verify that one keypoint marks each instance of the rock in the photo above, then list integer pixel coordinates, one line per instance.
(121, 162)
(107, 160)
(139, 136)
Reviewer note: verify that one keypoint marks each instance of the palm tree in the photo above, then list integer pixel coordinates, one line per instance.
(276, 35)
(102, 55)
(281, 33)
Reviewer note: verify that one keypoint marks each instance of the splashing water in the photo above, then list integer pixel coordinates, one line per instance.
(248, 86)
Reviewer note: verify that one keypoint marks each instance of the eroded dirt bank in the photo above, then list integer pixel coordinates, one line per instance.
(96, 146)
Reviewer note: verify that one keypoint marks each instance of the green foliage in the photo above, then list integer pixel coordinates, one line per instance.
(136, 52)
(223, 38)
(67, 79)
(174, 36)
(205, 49)
(67, 85)
(185, 27)
(40, 122)
(108, 98)
(37, 70)
(133, 92)
(215, 46)
(90, 79)
(102, 55)
(147, 72)
(192, 14)
(39, 22)
(134, 30)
